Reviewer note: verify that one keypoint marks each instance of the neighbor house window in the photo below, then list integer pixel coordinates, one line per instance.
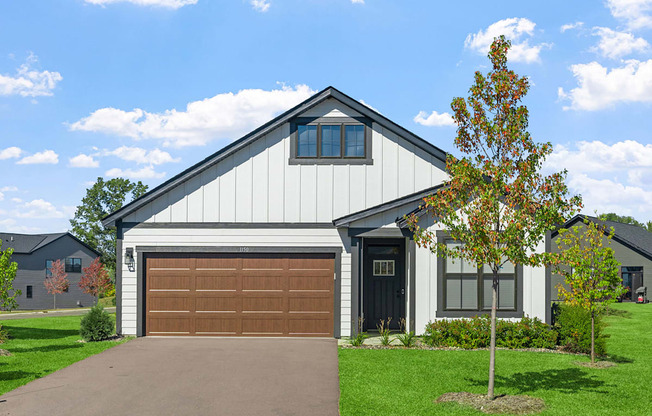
(466, 289)
(339, 143)
(73, 265)
(48, 268)
(28, 292)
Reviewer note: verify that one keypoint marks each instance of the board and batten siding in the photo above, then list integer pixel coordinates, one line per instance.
(258, 185)
(232, 237)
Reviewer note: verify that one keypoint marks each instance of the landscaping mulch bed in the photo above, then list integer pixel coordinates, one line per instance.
(113, 337)
(515, 405)
(597, 364)
(420, 346)
(4, 353)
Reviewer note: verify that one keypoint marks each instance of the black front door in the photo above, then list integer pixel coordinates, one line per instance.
(384, 282)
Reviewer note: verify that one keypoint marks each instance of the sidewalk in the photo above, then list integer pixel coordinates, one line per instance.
(41, 314)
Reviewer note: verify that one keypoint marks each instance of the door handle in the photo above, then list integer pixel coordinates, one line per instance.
(400, 293)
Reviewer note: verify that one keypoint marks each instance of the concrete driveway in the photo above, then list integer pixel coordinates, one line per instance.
(190, 376)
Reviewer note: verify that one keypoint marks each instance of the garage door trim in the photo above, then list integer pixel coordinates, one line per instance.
(142, 252)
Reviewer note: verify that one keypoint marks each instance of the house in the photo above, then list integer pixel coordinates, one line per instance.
(35, 254)
(293, 230)
(632, 247)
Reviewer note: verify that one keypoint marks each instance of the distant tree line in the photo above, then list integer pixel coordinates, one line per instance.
(625, 219)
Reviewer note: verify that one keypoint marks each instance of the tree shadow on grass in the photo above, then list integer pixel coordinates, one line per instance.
(17, 375)
(620, 359)
(570, 380)
(46, 348)
(19, 332)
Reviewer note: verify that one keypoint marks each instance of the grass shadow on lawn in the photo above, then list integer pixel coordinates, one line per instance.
(569, 380)
(45, 348)
(19, 332)
(620, 359)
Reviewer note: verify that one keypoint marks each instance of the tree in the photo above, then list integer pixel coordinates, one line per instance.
(496, 202)
(8, 271)
(625, 219)
(58, 282)
(101, 199)
(95, 279)
(590, 270)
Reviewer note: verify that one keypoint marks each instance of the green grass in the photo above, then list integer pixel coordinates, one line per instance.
(40, 346)
(405, 382)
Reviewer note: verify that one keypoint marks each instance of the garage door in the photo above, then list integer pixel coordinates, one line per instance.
(253, 295)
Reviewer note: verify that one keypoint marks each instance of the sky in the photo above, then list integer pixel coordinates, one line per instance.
(143, 89)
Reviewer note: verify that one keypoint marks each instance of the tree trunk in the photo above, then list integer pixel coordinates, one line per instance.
(492, 343)
(55, 301)
(592, 337)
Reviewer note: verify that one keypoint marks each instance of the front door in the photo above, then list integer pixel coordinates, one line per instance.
(384, 282)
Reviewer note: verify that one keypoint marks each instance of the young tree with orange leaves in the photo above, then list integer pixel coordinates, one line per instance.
(58, 282)
(95, 279)
(496, 203)
(590, 270)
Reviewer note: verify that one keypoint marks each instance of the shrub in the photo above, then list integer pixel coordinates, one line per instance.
(407, 338)
(359, 338)
(573, 323)
(475, 333)
(96, 325)
(384, 331)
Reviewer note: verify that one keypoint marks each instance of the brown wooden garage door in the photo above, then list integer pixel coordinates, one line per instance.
(253, 295)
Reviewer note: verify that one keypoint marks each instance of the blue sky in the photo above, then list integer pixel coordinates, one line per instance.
(145, 88)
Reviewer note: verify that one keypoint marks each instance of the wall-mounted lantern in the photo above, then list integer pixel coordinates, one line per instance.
(129, 257)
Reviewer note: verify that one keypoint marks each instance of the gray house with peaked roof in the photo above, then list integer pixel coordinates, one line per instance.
(294, 230)
(34, 254)
(632, 246)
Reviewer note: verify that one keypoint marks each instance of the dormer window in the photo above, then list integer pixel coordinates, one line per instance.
(334, 141)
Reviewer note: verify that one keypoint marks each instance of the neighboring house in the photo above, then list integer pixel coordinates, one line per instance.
(35, 254)
(632, 247)
(295, 230)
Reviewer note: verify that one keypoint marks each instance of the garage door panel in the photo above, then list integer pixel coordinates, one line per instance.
(250, 295)
(263, 325)
(169, 325)
(216, 282)
(216, 304)
(217, 326)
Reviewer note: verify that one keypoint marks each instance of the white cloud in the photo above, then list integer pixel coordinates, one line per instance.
(9, 189)
(357, 1)
(147, 172)
(29, 82)
(39, 208)
(260, 5)
(608, 176)
(598, 87)
(635, 13)
(434, 119)
(10, 153)
(142, 156)
(169, 4)
(16, 200)
(571, 26)
(83, 161)
(517, 30)
(226, 115)
(615, 44)
(368, 105)
(44, 157)
(10, 225)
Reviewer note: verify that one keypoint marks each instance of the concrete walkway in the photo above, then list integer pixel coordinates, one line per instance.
(190, 376)
(55, 312)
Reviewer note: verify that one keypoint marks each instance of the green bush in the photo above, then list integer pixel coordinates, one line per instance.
(476, 332)
(573, 324)
(96, 325)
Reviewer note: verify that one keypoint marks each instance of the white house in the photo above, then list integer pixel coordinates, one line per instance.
(296, 230)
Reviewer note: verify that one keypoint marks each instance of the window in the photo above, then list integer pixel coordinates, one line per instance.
(48, 268)
(73, 265)
(330, 142)
(28, 292)
(383, 267)
(465, 291)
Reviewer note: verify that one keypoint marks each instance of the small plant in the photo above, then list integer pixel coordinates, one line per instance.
(384, 331)
(359, 338)
(96, 325)
(406, 338)
(4, 335)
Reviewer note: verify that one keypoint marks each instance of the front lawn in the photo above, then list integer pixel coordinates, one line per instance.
(405, 382)
(40, 346)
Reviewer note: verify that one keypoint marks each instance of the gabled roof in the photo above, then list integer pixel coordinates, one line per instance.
(632, 236)
(395, 203)
(260, 132)
(29, 243)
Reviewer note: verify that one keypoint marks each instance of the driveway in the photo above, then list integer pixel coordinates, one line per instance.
(190, 376)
